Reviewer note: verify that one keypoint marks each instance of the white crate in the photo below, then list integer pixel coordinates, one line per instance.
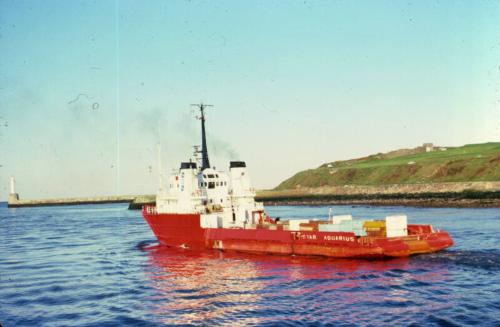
(396, 222)
(396, 225)
(328, 227)
(295, 223)
(396, 232)
(338, 219)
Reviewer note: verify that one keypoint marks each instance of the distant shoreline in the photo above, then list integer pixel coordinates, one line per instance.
(423, 203)
(457, 194)
(463, 199)
(460, 200)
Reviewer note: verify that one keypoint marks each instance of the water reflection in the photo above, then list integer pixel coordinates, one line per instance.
(223, 287)
(198, 287)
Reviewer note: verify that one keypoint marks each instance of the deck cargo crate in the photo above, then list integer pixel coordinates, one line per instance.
(295, 223)
(374, 224)
(396, 226)
(338, 219)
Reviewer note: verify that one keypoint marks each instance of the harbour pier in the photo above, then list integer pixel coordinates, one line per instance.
(15, 202)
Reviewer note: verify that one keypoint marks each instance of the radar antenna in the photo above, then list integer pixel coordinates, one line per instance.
(205, 163)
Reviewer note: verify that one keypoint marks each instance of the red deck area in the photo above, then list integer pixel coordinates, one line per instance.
(183, 230)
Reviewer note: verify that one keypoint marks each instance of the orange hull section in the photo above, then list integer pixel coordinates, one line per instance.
(183, 230)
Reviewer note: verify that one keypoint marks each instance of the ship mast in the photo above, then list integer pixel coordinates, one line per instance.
(204, 151)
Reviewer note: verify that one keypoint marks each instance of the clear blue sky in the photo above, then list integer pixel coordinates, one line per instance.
(88, 88)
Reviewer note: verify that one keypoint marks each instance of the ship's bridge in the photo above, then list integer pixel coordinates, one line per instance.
(211, 179)
(214, 185)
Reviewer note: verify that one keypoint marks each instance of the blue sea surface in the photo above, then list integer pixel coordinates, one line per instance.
(100, 265)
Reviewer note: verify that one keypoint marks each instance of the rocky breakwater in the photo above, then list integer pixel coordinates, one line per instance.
(15, 202)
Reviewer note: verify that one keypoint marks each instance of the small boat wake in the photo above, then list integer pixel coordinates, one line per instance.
(147, 245)
(480, 259)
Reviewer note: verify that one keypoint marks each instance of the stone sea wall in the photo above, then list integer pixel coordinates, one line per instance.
(469, 194)
(387, 189)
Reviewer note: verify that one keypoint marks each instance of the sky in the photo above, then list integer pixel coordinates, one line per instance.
(88, 89)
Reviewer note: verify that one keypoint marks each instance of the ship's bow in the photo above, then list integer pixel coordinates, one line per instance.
(175, 229)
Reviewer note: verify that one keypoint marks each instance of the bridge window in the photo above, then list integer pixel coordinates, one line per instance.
(211, 185)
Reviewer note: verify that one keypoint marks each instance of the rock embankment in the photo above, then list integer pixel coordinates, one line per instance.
(464, 194)
(449, 187)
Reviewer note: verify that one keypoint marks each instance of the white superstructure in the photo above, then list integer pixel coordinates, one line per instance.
(222, 200)
(228, 201)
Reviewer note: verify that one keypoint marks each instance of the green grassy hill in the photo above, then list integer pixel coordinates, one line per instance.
(473, 162)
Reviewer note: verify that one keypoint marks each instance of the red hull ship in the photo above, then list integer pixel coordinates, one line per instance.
(207, 209)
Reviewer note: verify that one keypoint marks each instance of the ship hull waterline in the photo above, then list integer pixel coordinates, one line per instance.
(184, 231)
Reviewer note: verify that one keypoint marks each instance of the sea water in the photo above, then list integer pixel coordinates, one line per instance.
(100, 265)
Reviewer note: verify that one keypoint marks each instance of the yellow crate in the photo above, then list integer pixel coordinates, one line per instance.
(374, 224)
